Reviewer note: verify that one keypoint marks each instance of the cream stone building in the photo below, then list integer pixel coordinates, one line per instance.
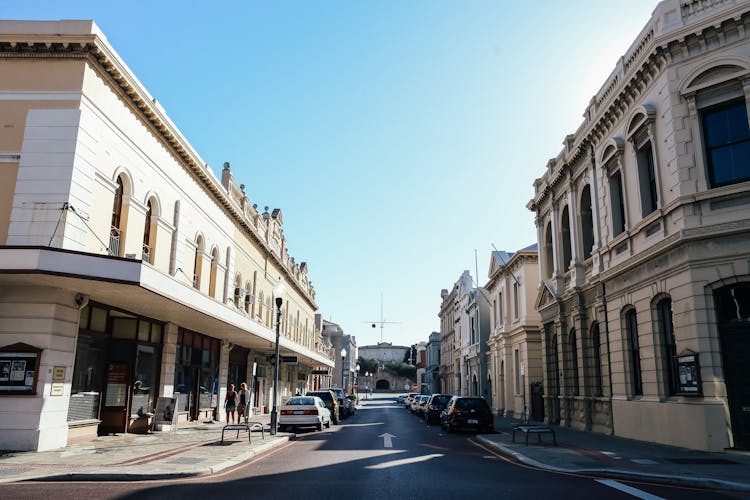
(128, 271)
(514, 343)
(643, 224)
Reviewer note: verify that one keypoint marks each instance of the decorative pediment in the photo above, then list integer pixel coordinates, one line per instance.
(545, 296)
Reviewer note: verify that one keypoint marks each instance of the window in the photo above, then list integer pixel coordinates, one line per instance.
(596, 342)
(494, 311)
(500, 308)
(646, 176)
(726, 137)
(669, 347)
(549, 255)
(573, 362)
(214, 270)
(565, 230)
(149, 233)
(198, 262)
(515, 300)
(517, 370)
(631, 332)
(587, 222)
(617, 203)
(115, 229)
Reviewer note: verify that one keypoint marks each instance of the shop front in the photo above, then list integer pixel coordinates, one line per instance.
(116, 372)
(196, 375)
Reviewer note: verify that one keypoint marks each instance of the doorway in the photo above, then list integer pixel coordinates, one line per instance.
(733, 314)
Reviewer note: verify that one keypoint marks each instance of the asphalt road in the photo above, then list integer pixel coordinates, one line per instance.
(353, 460)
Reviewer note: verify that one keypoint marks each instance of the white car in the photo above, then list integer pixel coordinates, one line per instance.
(304, 411)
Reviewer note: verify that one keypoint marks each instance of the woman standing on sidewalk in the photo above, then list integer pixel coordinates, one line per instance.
(243, 408)
(230, 404)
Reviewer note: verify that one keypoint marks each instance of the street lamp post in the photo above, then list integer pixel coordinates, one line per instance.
(356, 381)
(343, 357)
(278, 291)
(367, 383)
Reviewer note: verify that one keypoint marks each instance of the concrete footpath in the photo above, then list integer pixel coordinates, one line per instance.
(186, 452)
(595, 454)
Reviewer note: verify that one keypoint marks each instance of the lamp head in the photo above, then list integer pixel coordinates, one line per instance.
(278, 292)
(343, 353)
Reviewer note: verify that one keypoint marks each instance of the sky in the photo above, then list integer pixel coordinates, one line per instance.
(397, 137)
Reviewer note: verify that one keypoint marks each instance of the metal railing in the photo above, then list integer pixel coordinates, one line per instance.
(146, 254)
(114, 241)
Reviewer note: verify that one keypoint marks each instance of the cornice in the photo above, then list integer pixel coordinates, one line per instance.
(104, 60)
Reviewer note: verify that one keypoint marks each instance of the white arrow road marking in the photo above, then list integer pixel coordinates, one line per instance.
(628, 489)
(387, 440)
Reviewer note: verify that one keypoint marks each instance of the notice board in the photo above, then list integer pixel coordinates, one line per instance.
(19, 368)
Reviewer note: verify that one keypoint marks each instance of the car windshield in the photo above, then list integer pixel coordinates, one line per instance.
(301, 401)
(440, 400)
(325, 396)
(471, 404)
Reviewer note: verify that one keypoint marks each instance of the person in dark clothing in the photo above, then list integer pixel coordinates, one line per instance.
(230, 404)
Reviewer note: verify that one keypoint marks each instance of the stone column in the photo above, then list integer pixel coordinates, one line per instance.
(226, 347)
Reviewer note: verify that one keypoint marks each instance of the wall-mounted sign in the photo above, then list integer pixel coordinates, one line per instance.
(320, 372)
(289, 359)
(58, 373)
(689, 373)
(19, 365)
(57, 389)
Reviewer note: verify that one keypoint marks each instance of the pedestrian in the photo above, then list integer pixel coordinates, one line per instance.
(230, 404)
(243, 407)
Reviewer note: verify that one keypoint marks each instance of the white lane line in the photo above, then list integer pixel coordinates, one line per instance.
(628, 489)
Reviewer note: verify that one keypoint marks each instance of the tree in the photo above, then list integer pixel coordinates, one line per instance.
(367, 365)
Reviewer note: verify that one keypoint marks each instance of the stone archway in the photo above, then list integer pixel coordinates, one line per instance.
(383, 385)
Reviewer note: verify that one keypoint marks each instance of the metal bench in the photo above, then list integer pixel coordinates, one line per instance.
(534, 429)
(247, 426)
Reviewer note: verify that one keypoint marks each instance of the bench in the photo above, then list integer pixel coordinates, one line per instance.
(247, 426)
(534, 429)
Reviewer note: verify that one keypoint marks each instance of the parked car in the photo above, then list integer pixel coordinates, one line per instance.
(400, 399)
(435, 406)
(352, 402)
(304, 411)
(463, 412)
(414, 407)
(342, 399)
(329, 398)
(409, 398)
(420, 404)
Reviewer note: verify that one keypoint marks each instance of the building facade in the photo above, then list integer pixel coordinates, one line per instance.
(515, 340)
(643, 224)
(432, 370)
(446, 373)
(384, 352)
(128, 270)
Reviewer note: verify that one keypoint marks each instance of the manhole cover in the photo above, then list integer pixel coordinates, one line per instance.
(186, 460)
(703, 461)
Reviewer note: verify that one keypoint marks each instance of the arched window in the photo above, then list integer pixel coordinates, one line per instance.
(665, 328)
(214, 270)
(115, 232)
(249, 298)
(597, 358)
(587, 222)
(634, 352)
(565, 230)
(175, 239)
(239, 292)
(198, 262)
(573, 347)
(253, 307)
(150, 231)
(549, 255)
(260, 305)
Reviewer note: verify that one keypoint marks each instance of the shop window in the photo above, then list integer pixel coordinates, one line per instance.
(665, 328)
(124, 328)
(85, 385)
(726, 137)
(596, 342)
(634, 353)
(574, 384)
(146, 382)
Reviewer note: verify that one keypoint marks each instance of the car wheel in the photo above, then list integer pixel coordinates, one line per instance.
(320, 426)
(282, 428)
(328, 424)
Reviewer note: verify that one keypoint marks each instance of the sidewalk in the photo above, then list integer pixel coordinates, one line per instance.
(602, 455)
(186, 452)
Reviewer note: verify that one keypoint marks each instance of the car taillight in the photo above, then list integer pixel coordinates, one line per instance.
(311, 412)
(456, 411)
(286, 412)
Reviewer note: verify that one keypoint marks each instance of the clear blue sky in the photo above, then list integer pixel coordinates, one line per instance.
(397, 137)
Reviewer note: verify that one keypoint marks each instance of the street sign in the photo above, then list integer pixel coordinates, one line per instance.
(320, 372)
(289, 359)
